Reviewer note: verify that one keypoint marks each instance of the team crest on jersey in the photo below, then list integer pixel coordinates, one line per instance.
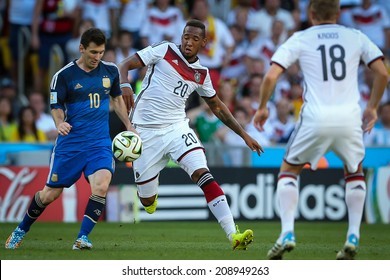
(197, 76)
(54, 177)
(53, 97)
(106, 82)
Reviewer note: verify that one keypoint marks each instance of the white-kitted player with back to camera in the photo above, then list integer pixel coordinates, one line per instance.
(330, 119)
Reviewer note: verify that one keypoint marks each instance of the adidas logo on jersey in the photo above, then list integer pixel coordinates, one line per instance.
(175, 61)
(78, 86)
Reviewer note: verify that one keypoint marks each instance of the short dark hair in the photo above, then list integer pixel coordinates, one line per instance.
(198, 24)
(325, 9)
(94, 35)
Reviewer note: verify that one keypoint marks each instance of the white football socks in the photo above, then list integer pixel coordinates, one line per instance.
(287, 194)
(221, 211)
(355, 194)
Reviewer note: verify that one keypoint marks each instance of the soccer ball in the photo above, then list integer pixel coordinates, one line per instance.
(127, 146)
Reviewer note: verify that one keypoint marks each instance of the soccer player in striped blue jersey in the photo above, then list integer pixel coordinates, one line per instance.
(79, 100)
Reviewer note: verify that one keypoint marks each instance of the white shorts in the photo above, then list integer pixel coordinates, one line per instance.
(309, 143)
(175, 142)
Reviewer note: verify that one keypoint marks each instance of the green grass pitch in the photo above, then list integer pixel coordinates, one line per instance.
(190, 241)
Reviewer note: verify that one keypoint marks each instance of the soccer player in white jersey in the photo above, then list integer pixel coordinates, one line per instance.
(330, 119)
(174, 72)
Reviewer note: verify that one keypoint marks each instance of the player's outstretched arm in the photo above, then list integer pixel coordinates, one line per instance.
(266, 89)
(380, 81)
(223, 113)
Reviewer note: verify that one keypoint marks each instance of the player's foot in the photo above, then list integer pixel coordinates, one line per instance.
(82, 243)
(240, 241)
(287, 244)
(151, 208)
(15, 239)
(350, 248)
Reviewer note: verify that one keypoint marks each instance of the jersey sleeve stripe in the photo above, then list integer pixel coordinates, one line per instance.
(53, 83)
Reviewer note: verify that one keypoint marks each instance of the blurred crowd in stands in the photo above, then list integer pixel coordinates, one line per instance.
(38, 37)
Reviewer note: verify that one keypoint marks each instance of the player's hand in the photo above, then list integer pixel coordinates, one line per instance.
(131, 128)
(64, 128)
(253, 144)
(260, 117)
(128, 97)
(369, 118)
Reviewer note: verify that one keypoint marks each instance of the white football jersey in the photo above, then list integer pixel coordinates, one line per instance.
(169, 81)
(329, 56)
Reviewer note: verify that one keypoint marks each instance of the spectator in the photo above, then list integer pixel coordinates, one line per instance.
(164, 22)
(132, 16)
(220, 8)
(104, 15)
(264, 18)
(242, 11)
(8, 89)
(385, 4)
(206, 124)
(109, 54)
(279, 128)
(372, 19)
(20, 17)
(52, 25)
(236, 69)
(220, 42)
(292, 75)
(345, 11)
(125, 49)
(7, 121)
(234, 155)
(73, 45)
(250, 96)
(263, 47)
(27, 130)
(255, 66)
(296, 95)
(227, 92)
(43, 120)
